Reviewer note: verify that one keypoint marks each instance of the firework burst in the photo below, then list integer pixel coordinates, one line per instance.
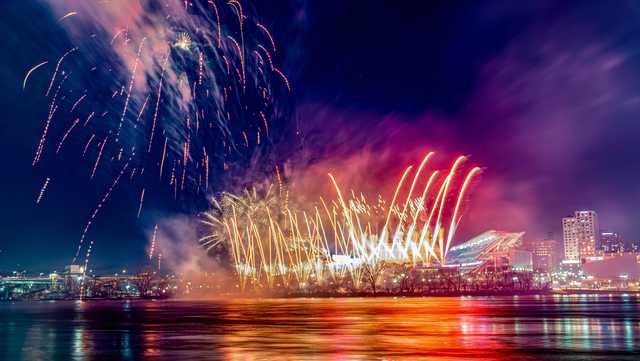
(179, 85)
(275, 244)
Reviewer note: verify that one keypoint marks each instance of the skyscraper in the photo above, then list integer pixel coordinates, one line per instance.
(580, 234)
(570, 237)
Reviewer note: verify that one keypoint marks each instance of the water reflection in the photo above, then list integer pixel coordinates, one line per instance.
(501, 328)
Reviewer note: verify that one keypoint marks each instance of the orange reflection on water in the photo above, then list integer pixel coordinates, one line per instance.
(346, 329)
(454, 328)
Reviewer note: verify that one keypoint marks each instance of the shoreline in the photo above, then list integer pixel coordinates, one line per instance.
(355, 295)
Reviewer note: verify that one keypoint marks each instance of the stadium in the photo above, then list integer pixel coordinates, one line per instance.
(491, 250)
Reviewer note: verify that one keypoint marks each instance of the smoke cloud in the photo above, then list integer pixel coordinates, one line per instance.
(544, 121)
(204, 275)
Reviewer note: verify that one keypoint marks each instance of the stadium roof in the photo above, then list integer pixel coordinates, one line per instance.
(480, 248)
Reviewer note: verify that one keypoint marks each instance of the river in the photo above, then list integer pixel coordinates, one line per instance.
(578, 327)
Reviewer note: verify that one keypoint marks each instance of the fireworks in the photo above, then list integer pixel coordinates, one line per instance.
(195, 87)
(84, 270)
(272, 243)
(66, 134)
(183, 42)
(153, 242)
(96, 210)
(26, 77)
(55, 73)
(175, 61)
(141, 202)
(68, 15)
(43, 189)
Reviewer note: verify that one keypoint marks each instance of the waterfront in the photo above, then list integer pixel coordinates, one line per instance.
(576, 327)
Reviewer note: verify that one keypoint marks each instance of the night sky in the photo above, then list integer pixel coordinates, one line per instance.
(544, 96)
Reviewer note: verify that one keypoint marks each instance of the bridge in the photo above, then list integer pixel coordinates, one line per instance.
(69, 286)
(25, 286)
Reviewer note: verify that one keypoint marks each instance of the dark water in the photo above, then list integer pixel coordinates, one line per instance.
(500, 328)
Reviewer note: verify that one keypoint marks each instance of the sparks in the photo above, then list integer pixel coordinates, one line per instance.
(68, 15)
(43, 189)
(26, 77)
(183, 42)
(141, 201)
(271, 243)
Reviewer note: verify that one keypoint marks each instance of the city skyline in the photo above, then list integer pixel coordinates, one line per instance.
(580, 232)
(596, 245)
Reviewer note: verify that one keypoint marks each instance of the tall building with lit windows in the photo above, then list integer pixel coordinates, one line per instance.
(580, 234)
(570, 237)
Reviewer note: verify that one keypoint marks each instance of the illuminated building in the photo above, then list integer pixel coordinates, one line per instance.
(55, 280)
(617, 266)
(492, 249)
(74, 270)
(611, 242)
(580, 234)
(570, 236)
(73, 277)
(544, 255)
